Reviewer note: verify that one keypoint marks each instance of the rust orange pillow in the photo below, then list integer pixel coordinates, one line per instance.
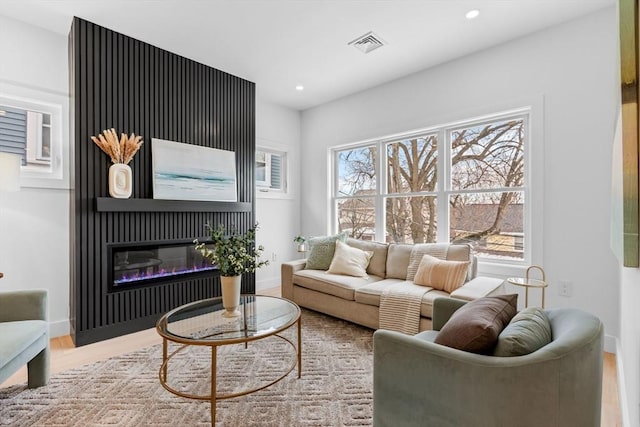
(441, 274)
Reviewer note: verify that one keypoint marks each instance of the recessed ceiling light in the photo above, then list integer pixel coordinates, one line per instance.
(472, 14)
(300, 87)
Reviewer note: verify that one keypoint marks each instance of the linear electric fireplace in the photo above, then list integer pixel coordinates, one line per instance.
(138, 264)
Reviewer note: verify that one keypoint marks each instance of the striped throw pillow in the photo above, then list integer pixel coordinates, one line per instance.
(440, 274)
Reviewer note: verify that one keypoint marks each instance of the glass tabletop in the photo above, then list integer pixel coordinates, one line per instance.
(523, 281)
(201, 322)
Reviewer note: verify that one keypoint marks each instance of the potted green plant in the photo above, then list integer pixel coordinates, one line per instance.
(233, 254)
(300, 240)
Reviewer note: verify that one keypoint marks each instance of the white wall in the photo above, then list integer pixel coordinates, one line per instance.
(569, 70)
(34, 223)
(629, 359)
(279, 218)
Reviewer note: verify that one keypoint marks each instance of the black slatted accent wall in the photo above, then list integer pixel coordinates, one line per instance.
(120, 82)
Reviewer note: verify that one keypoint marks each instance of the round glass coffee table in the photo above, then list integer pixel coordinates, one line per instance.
(201, 323)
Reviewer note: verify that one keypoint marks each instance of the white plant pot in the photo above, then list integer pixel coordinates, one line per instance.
(120, 181)
(231, 295)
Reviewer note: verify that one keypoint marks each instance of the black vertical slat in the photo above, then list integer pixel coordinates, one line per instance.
(134, 87)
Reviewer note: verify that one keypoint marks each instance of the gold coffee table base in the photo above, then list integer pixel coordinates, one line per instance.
(206, 312)
(213, 397)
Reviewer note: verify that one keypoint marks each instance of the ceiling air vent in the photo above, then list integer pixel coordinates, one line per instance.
(367, 42)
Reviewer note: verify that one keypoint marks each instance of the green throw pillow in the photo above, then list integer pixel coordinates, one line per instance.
(321, 251)
(527, 332)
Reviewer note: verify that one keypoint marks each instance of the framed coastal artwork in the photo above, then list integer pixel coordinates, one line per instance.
(630, 127)
(192, 172)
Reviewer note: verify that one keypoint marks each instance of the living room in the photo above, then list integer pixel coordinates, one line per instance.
(568, 74)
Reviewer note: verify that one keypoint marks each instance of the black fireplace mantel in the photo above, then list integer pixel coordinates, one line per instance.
(110, 204)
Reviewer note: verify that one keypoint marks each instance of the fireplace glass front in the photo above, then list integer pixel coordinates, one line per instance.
(151, 263)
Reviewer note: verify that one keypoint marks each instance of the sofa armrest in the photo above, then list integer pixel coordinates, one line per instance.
(23, 305)
(443, 309)
(287, 269)
(415, 380)
(478, 288)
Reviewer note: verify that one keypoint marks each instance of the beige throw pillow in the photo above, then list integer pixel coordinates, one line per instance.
(440, 274)
(349, 261)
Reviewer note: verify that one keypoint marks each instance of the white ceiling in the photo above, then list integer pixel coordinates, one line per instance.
(279, 44)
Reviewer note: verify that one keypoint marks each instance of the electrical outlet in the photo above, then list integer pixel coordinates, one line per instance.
(565, 288)
(274, 257)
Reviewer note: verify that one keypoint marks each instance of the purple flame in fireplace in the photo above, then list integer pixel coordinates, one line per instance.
(162, 273)
(152, 262)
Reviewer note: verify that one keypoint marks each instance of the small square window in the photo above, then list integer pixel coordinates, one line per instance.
(271, 170)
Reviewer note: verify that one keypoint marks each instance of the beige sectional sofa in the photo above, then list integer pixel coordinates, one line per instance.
(357, 299)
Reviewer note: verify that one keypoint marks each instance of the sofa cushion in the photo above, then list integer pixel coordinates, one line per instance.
(349, 261)
(398, 261)
(445, 251)
(17, 336)
(332, 284)
(370, 294)
(527, 332)
(441, 274)
(479, 287)
(377, 264)
(321, 251)
(475, 326)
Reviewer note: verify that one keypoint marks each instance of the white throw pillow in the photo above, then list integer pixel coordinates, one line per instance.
(440, 274)
(349, 260)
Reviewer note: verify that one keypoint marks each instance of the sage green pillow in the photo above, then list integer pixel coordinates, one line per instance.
(321, 251)
(475, 326)
(527, 332)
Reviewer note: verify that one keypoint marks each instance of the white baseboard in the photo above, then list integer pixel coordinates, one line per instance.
(59, 328)
(268, 283)
(611, 344)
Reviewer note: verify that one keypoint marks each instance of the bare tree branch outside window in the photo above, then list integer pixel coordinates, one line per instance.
(485, 194)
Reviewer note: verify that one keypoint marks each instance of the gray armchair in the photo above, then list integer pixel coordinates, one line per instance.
(420, 383)
(24, 335)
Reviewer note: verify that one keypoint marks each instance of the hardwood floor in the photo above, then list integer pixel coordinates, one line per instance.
(65, 356)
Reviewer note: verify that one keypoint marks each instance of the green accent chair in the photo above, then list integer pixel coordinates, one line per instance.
(24, 335)
(419, 383)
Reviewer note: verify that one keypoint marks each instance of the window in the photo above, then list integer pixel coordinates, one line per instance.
(271, 170)
(27, 133)
(356, 191)
(34, 124)
(463, 183)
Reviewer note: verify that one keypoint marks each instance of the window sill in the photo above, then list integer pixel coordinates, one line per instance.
(501, 271)
(261, 194)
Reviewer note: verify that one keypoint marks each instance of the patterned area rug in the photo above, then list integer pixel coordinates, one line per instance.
(335, 388)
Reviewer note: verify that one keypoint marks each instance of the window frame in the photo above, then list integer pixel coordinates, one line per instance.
(58, 175)
(443, 188)
(263, 188)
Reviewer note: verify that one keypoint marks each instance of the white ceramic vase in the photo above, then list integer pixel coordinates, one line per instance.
(120, 181)
(231, 295)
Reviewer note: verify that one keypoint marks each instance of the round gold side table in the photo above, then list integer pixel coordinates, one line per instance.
(528, 283)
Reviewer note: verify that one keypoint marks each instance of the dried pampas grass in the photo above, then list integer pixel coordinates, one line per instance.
(120, 151)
